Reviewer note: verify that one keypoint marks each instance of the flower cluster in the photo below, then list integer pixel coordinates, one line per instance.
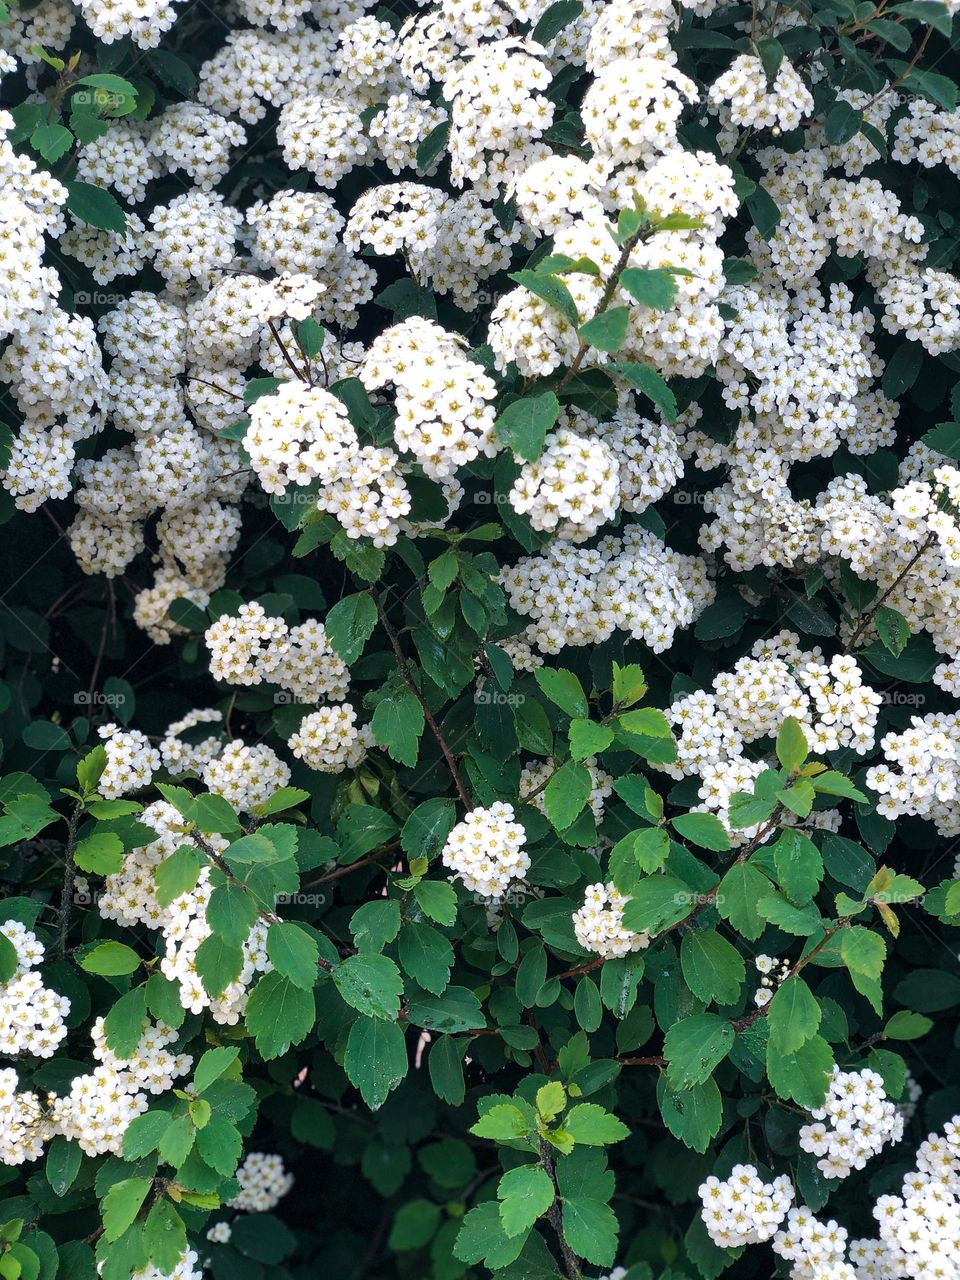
(598, 924)
(743, 1209)
(263, 1183)
(856, 1121)
(31, 1015)
(486, 850)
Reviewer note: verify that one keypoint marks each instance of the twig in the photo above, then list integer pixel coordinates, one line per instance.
(570, 1260)
(871, 613)
(409, 681)
(69, 876)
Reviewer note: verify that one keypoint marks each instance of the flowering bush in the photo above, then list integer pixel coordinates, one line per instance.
(481, 637)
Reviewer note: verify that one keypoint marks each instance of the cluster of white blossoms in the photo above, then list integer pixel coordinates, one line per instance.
(750, 99)
(772, 973)
(534, 778)
(778, 679)
(444, 417)
(330, 739)
(815, 1248)
(598, 923)
(743, 1209)
(99, 1106)
(263, 1183)
(254, 646)
(634, 583)
(31, 1015)
(24, 1124)
(131, 761)
(486, 850)
(857, 1120)
(220, 1233)
(920, 774)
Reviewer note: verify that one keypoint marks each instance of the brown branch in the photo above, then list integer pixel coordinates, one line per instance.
(409, 681)
(555, 1216)
(872, 612)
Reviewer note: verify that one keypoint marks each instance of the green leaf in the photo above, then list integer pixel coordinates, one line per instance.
(588, 739)
(657, 902)
(832, 783)
(371, 984)
(9, 959)
(375, 1058)
(692, 1115)
(704, 830)
(944, 439)
(165, 1236)
(793, 1016)
(864, 953)
(653, 287)
(177, 1141)
(124, 1024)
(792, 749)
(95, 206)
(437, 899)
(842, 123)
(932, 13)
(100, 853)
(350, 624)
(483, 1239)
(893, 629)
(177, 874)
(902, 370)
(907, 1025)
(121, 1205)
(737, 897)
(433, 146)
(218, 963)
(525, 1194)
(231, 913)
(52, 141)
(279, 1014)
(553, 20)
(608, 330)
(763, 211)
(293, 953)
(397, 724)
(142, 1135)
(800, 1076)
(110, 959)
(799, 866)
(426, 955)
(523, 425)
(374, 924)
(694, 1046)
(564, 689)
(212, 1065)
(593, 1126)
(712, 967)
(649, 382)
(551, 290)
(567, 793)
(63, 1164)
(425, 831)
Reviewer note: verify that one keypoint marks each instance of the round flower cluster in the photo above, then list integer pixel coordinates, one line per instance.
(24, 1125)
(750, 101)
(486, 850)
(743, 1209)
(245, 775)
(572, 488)
(31, 1015)
(263, 1183)
(856, 1121)
(131, 761)
(298, 434)
(98, 1108)
(634, 583)
(330, 740)
(598, 924)
(443, 415)
(921, 772)
(220, 1233)
(772, 973)
(815, 1248)
(244, 649)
